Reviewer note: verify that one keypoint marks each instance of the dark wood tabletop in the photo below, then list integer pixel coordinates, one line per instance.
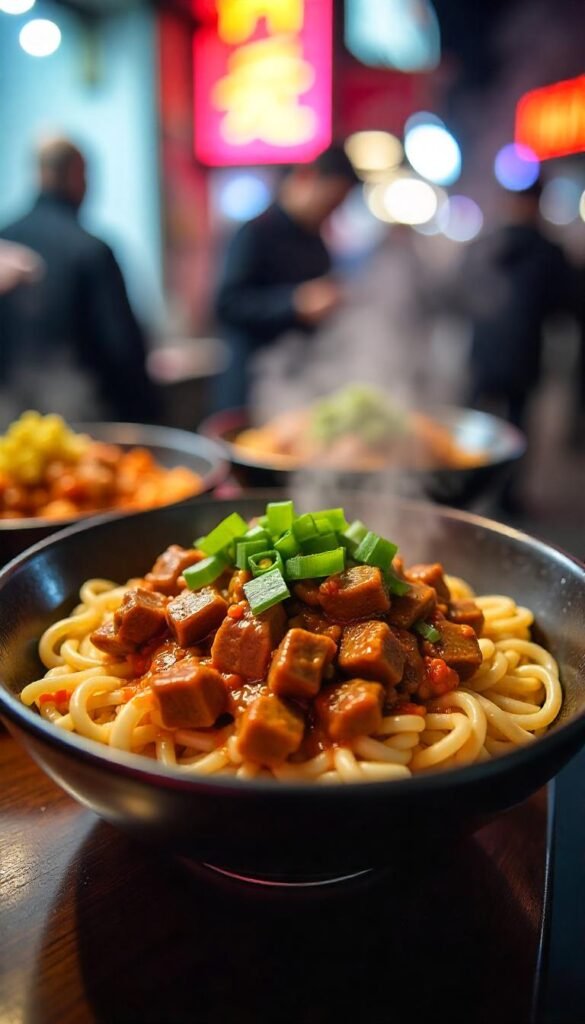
(94, 927)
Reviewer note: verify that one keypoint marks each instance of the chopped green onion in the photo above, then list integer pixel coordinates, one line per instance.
(263, 522)
(265, 561)
(375, 550)
(323, 526)
(429, 632)
(287, 545)
(224, 533)
(245, 548)
(304, 527)
(280, 516)
(395, 585)
(334, 516)
(204, 572)
(257, 533)
(197, 543)
(307, 567)
(353, 535)
(265, 591)
(324, 542)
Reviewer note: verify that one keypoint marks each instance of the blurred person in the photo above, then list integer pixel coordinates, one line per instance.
(277, 270)
(513, 279)
(70, 341)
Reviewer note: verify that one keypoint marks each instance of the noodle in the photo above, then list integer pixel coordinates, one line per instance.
(513, 696)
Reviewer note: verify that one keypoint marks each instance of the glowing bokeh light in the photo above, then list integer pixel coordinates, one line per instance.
(410, 201)
(560, 201)
(460, 219)
(243, 196)
(16, 6)
(433, 153)
(372, 152)
(354, 229)
(401, 34)
(374, 196)
(422, 117)
(516, 167)
(40, 37)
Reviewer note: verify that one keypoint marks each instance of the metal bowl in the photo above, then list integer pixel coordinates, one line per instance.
(169, 447)
(497, 443)
(276, 830)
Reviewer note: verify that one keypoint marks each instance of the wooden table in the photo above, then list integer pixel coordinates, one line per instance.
(94, 927)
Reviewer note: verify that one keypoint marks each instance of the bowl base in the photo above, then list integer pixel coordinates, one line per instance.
(277, 881)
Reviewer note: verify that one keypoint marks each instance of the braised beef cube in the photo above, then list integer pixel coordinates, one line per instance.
(189, 695)
(351, 709)
(164, 575)
(466, 613)
(458, 647)
(107, 639)
(270, 730)
(299, 663)
(141, 616)
(356, 593)
(369, 650)
(308, 592)
(244, 646)
(419, 602)
(194, 614)
(414, 666)
(314, 623)
(433, 576)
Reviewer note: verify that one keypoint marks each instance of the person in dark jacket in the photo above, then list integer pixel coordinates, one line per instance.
(75, 322)
(514, 279)
(277, 271)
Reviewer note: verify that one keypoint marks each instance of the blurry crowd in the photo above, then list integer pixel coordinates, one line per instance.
(70, 341)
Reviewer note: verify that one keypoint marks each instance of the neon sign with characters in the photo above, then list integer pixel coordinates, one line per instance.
(262, 81)
(551, 120)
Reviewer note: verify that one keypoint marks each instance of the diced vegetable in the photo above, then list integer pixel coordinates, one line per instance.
(324, 542)
(257, 533)
(304, 527)
(224, 533)
(353, 535)
(204, 572)
(426, 630)
(334, 516)
(306, 567)
(245, 548)
(375, 550)
(264, 561)
(395, 585)
(265, 591)
(287, 545)
(280, 516)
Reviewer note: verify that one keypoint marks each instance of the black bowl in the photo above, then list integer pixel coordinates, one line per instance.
(497, 443)
(169, 447)
(271, 829)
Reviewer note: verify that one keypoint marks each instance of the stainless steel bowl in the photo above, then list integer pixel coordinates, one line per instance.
(169, 447)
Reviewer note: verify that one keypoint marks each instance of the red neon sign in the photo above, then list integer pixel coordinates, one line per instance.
(551, 120)
(262, 81)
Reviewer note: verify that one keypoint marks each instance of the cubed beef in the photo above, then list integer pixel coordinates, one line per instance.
(356, 593)
(299, 663)
(141, 616)
(433, 576)
(369, 650)
(189, 695)
(466, 613)
(270, 730)
(164, 575)
(314, 623)
(308, 592)
(107, 639)
(194, 614)
(414, 666)
(245, 645)
(350, 710)
(458, 647)
(419, 602)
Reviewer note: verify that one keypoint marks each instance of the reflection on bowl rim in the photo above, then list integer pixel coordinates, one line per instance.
(132, 764)
(211, 479)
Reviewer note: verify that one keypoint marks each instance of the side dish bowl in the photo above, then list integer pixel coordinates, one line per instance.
(169, 447)
(280, 830)
(497, 444)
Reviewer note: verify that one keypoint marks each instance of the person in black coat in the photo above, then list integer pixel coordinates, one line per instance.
(276, 273)
(513, 280)
(77, 316)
